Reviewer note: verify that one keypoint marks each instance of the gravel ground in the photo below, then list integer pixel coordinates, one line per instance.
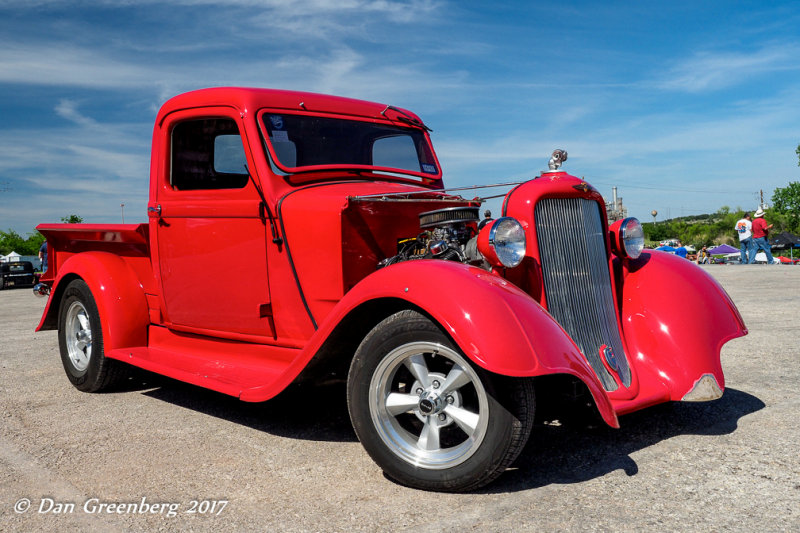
(293, 464)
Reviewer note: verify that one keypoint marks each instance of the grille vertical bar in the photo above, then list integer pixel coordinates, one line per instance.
(577, 281)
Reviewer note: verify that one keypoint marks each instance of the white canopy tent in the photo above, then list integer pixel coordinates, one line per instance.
(761, 257)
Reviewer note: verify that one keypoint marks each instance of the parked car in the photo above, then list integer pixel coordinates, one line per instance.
(355, 262)
(17, 273)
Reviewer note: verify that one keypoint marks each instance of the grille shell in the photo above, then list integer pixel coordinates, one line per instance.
(577, 280)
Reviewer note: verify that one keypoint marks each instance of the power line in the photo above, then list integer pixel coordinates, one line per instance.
(675, 189)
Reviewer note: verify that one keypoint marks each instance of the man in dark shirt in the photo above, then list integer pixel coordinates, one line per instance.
(488, 218)
(43, 256)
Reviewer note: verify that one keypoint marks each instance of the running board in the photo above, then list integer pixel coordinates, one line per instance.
(224, 366)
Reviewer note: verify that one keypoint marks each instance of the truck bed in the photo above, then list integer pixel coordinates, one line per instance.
(65, 240)
(128, 241)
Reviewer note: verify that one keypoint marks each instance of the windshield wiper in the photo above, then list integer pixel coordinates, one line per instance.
(405, 117)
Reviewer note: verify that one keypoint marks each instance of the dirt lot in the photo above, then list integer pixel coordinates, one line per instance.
(293, 464)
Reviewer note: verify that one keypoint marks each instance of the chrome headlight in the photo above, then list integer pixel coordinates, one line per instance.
(628, 238)
(502, 242)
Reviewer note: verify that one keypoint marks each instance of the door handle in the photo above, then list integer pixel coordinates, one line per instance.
(154, 211)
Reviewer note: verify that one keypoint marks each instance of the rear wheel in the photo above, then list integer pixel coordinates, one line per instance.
(427, 415)
(80, 339)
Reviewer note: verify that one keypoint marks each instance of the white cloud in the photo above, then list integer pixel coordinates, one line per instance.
(674, 162)
(68, 109)
(57, 64)
(340, 70)
(86, 168)
(716, 70)
(499, 93)
(396, 10)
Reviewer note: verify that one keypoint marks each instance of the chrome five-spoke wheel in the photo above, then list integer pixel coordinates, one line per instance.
(428, 405)
(78, 332)
(427, 415)
(80, 339)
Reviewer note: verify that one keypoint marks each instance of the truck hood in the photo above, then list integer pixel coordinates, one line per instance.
(336, 233)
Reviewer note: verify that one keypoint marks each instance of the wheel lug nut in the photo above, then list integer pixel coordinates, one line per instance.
(442, 417)
(419, 390)
(436, 384)
(450, 400)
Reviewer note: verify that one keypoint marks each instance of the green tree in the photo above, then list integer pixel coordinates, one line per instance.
(655, 232)
(11, 241)
(72, 219)
(786, 202)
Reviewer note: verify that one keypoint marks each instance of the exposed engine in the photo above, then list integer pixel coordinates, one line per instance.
(448, 234)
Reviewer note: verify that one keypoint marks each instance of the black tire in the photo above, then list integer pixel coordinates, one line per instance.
(80, 339)
(426, 415)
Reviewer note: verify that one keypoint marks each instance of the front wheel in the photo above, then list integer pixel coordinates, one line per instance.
(426, 415)
(80, 339)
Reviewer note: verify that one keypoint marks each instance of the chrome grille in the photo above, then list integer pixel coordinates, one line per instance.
(577, 281)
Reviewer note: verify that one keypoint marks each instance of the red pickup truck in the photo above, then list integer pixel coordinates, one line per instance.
(345, 254)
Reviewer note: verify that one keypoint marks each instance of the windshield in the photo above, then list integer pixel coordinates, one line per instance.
(304, 142)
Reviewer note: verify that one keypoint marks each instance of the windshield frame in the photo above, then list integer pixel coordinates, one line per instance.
(384, 172)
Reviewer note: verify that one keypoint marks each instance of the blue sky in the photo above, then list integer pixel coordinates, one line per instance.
(684, 106)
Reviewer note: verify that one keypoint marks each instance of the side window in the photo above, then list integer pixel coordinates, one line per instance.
(207, 154)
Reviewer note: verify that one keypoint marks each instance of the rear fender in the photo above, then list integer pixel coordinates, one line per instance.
(117, 291)
(497, 325)
(676, 318)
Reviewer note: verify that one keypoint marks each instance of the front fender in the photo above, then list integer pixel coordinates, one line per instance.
(676, 318)
(497, 325)
(117, 291)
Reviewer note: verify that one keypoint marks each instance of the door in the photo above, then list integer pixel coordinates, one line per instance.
(211, 239)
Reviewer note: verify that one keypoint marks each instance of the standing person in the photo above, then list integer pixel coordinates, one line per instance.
(760, 233)
(488, 218)
(681, 250)
(744, 227)
(43, 256)
(702, 256)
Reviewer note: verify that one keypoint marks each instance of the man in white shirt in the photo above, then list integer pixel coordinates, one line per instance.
(744, 227)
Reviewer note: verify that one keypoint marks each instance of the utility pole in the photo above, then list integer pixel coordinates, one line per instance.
(122, 207)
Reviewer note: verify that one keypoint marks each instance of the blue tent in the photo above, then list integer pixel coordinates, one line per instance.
(666, 248)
